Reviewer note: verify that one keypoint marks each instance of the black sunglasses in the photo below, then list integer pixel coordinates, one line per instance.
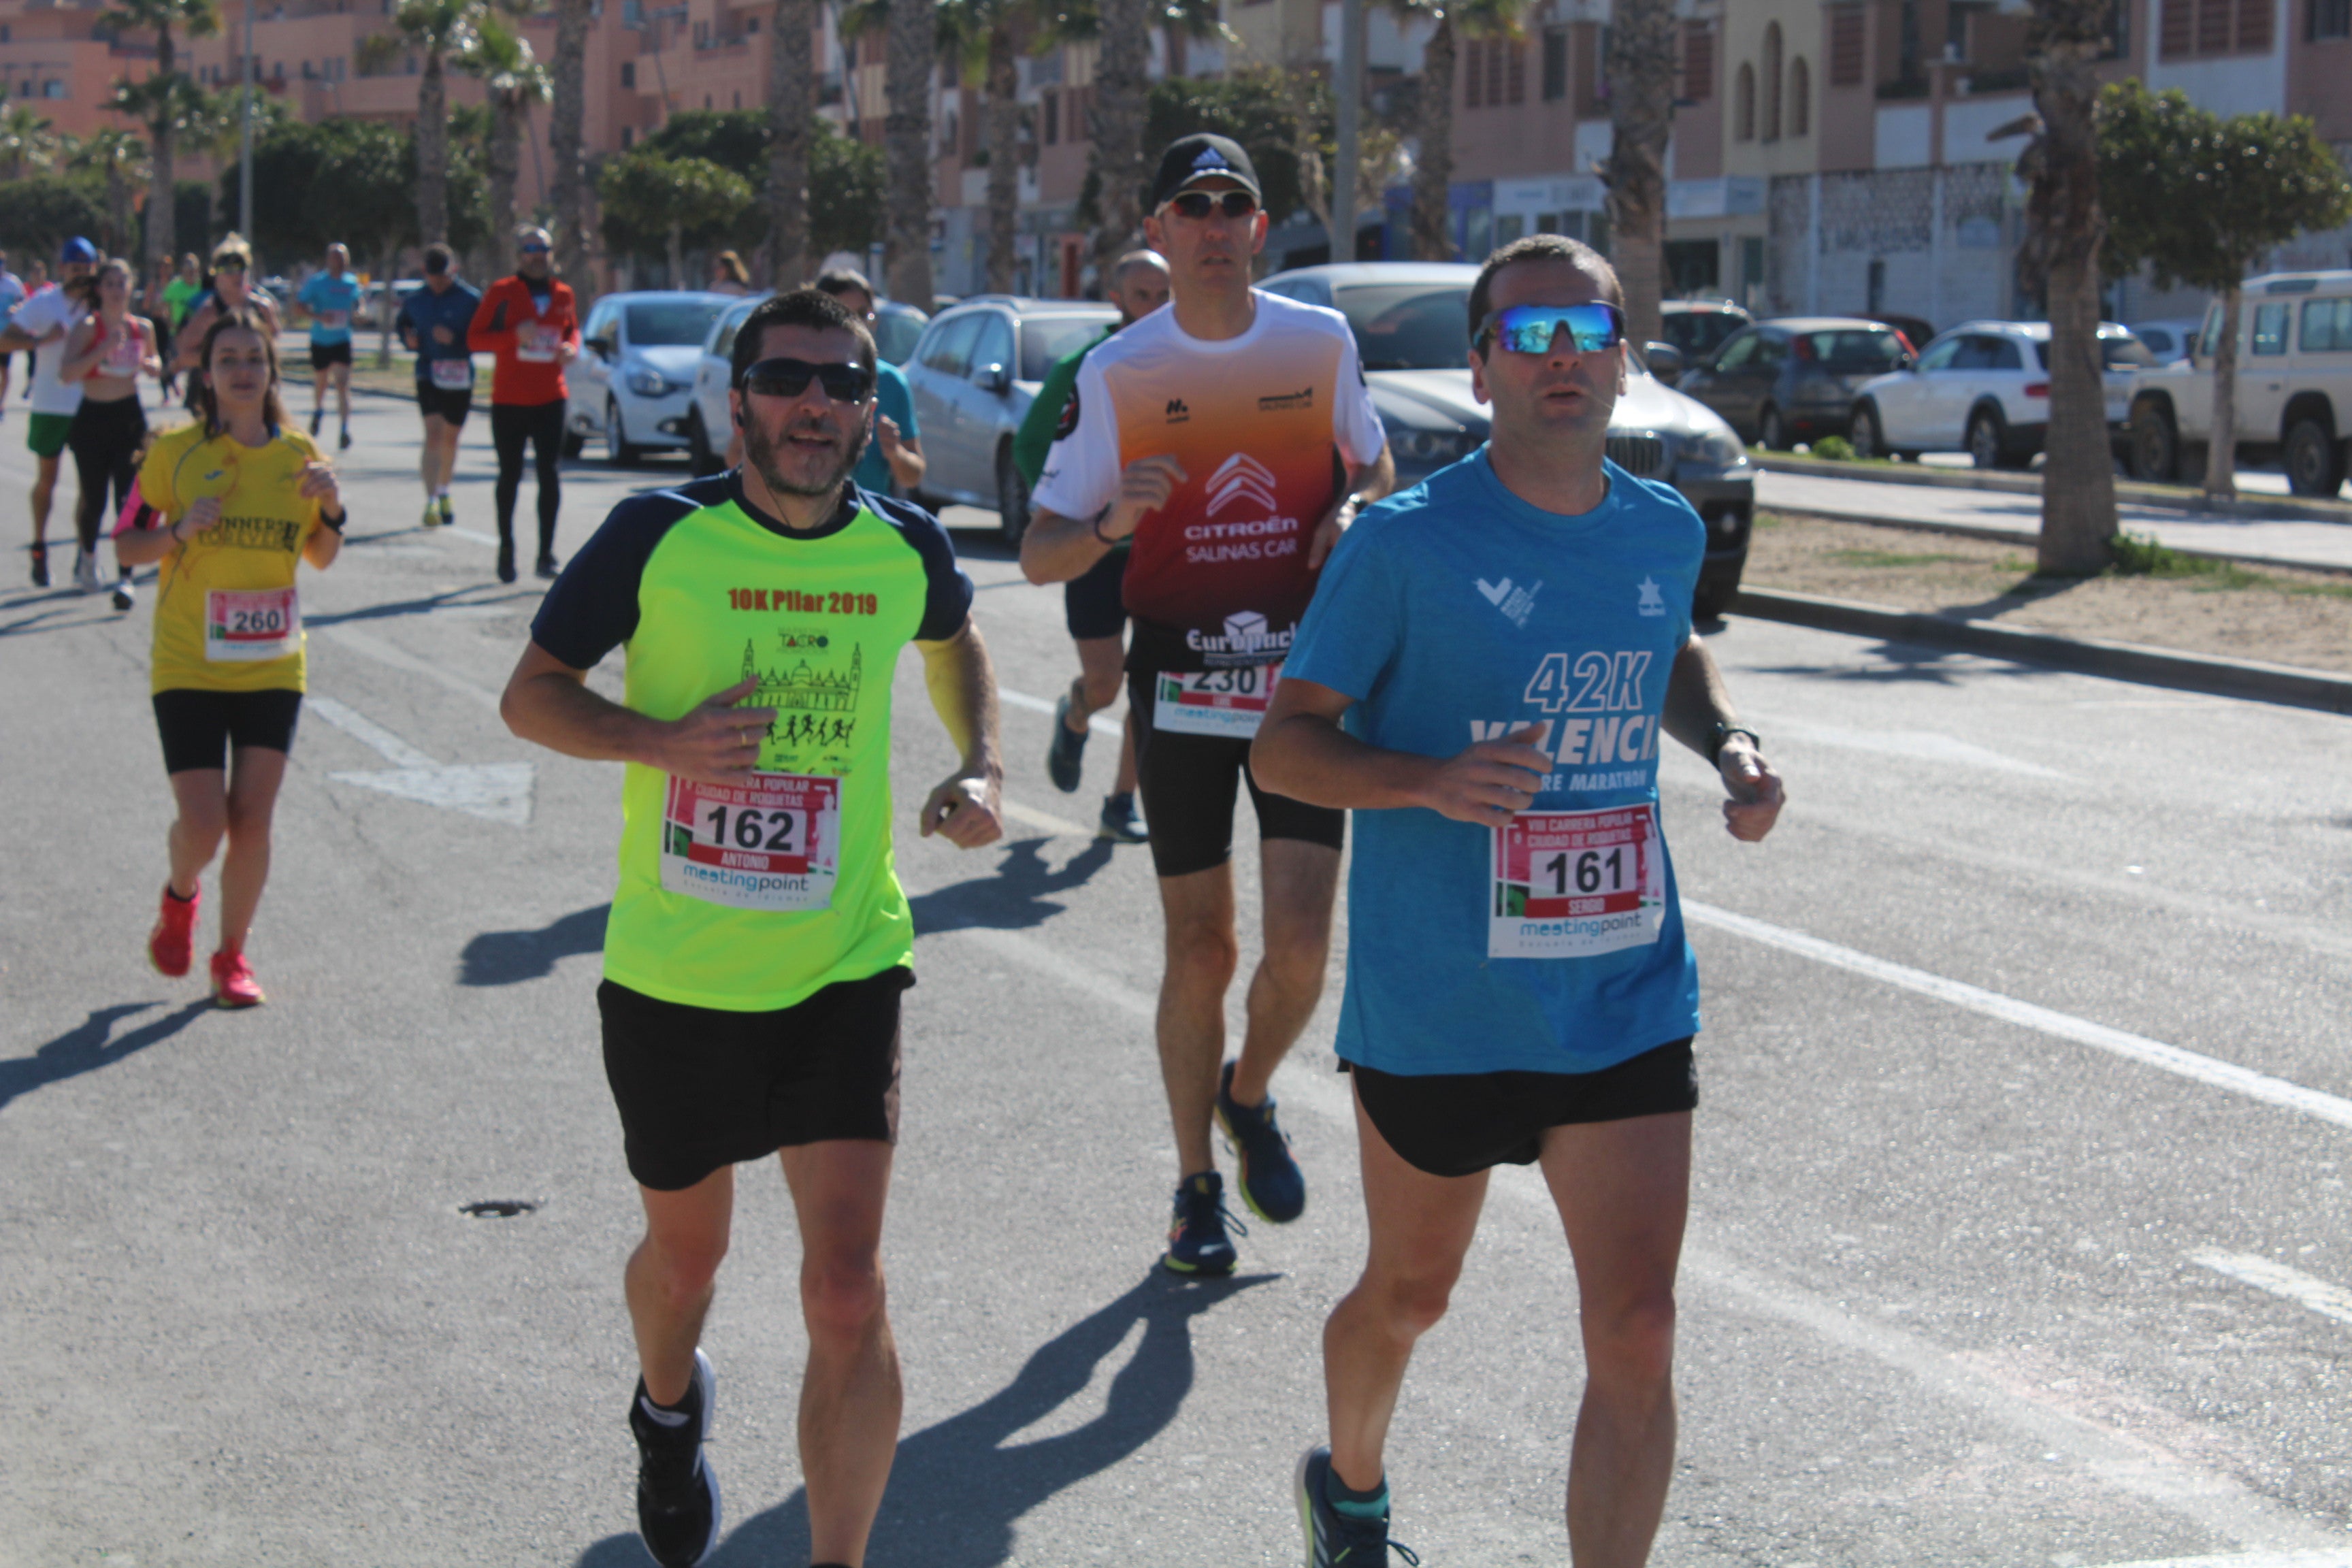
(1197, 205)
(789, 378)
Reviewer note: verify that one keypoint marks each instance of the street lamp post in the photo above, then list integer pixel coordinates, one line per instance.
(1349, 88)
(245, 140)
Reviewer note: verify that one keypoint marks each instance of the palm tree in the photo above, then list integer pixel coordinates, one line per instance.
(120, 160)
(166, 103)
(501, 57)
(567, 190)
(440, 30)
(1642, 113)
(1432, 167)
(27, 141)
(790, 105)
(1122, 85)
(906, 139)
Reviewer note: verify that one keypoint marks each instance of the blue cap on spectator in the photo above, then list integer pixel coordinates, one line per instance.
(79, 249)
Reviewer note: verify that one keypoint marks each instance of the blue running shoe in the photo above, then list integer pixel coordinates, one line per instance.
(1270, 1180)
(1121, 823)
(677, 1493)
(1336, 1540)
(1064, 759)
(1197, 1244)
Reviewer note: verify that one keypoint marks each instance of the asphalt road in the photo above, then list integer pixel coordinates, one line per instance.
(2021, 1230)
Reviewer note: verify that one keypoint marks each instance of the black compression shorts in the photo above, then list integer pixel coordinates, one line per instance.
(199, 727)
(450, 404)
(1189, 783)
(1458, 1124)
(324, 355)
(1091, 605)
(700, 1087)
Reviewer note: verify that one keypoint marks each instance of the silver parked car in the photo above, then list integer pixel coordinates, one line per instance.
(1412, 325)
(635, 377)
(974, 372)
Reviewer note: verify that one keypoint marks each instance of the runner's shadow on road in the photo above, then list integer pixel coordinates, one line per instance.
(958, 1488)
(1899, 663)
(86, 1047)
(1014, 898)
(508, 957)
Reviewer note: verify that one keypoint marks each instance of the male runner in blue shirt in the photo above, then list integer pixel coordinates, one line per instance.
(332, 297)
(1505, 643)
(433, 322)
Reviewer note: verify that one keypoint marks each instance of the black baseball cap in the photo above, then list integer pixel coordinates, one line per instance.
(1200, 156)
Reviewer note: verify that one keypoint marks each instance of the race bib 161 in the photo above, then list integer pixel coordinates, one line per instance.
(771, 844)
(1570, 884)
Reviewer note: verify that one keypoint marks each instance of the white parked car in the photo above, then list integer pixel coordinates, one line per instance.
(635, 377)
(2294, 392)
(1982, 388)
(2167, 342)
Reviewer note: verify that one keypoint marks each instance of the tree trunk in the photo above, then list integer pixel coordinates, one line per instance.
(676, 256)
(568, 180)
(2221, 456)
(906, 138)
(788, 109)
(2063, 231)
(506, 166)
(1641, 68)
(432, 151)
(1003, 132)
(162, 194)
(387, 258)
(1433, 168)
(1121, 81)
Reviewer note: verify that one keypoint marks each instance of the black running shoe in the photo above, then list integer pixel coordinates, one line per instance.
(346, 442)
(547, 567)
(1064, 759)
(1197, 1244)
(316, 419)
(506, 562)
(677, 1494)
(1121, 823)
(40, 567)
(1269, 1178)
(1335, 1540)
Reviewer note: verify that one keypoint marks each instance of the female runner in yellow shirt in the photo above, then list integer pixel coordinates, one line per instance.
(229, 505)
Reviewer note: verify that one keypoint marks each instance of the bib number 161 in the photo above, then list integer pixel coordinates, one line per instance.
(1569, 884)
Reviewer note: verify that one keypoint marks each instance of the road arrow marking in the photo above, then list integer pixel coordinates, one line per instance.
(496, 792)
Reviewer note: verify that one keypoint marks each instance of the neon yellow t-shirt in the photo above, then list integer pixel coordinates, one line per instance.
(227, 615)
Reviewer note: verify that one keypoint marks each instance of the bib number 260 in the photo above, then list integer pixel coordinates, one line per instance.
(246, 627)
(1569, 884)
(771, 844)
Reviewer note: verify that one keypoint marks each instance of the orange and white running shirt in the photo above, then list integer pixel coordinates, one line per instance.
(1261, 424)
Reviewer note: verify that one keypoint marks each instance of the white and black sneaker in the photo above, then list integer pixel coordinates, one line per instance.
(124, 598)
(677, 1493)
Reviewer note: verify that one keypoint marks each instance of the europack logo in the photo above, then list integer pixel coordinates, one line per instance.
(1284, 402)
(1246, 640)
(1241, 477)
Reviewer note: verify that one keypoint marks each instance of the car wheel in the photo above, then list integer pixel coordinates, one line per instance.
(2314, 463)
(1771, 430)
(2155, 445)
(1718, 585)
(1866, 431)
(1986, 442)
(698, 454)
(617, 449)
(1011, 497)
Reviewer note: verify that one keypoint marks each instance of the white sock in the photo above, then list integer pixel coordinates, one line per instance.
(665, 1417)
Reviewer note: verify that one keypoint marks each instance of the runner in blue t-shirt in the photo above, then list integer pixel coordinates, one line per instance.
(332, 297)
(1484, 677)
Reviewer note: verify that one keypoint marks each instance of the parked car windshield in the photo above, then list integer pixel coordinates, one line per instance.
(1045, 338)
(2115, 353)
(1408, 326)
(668, 323)
(894, 332)
(1698, 334)
(1859, 348)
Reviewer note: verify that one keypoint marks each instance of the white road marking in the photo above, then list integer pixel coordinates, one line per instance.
(1098, 723)
(2139, 1048)
(496, 792)
(2303, 1289)
(1044, 819)
(1926, 745)
(2209, 1499)
(386, 653)
(2340, 1558)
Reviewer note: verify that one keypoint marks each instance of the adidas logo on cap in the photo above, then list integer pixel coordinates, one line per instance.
(1209, 158)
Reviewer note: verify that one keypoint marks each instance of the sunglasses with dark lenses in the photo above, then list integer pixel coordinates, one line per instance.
(1198, 204)
(789, 378)
(1534, 329)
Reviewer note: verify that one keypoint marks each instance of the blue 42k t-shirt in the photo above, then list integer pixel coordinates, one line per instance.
(1456, 613)
(335, 296)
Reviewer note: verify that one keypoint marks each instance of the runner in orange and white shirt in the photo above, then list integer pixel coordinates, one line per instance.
(1231, 437)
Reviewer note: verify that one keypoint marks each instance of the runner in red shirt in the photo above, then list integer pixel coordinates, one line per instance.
(529, 321)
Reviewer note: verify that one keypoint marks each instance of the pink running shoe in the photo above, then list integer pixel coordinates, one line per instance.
(172, 944)
(233, 982)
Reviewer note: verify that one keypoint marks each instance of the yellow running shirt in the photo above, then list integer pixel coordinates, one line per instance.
(226, 615)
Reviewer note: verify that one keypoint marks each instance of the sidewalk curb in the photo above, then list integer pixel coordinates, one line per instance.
(2173, 498)
(2218, 677)
(2028, 538)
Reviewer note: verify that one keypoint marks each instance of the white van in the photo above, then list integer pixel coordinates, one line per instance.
(2294, 387)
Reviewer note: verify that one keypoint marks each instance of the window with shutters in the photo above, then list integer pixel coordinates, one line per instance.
(1555, 63)
(2331, 19)
(1515, 72)
(1698, 61)
(1847, 39)
(1474, 74)
(1495, 65)
(2189, 29)
(1743, 104)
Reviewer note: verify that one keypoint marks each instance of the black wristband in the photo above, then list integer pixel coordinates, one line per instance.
(337, 522)
(1096, 527)
(1723, 732)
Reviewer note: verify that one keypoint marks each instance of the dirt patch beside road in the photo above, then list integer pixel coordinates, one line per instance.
(2273, 613)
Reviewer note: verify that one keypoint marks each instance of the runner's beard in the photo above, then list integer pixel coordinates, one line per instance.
(761, 453)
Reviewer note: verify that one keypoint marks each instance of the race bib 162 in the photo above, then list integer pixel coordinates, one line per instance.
(771, 844)
(1570, 884)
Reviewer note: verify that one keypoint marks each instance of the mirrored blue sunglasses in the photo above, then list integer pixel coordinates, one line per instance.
(1532, 328)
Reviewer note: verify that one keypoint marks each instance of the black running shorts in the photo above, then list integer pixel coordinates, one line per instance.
(452, 405)
(199, 727)
(1189, 783)
(700, 1088)
(324, 355)
(1458, 1124)
(1091, 605)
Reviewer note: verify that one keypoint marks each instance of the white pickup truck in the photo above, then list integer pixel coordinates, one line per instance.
(2294, 387)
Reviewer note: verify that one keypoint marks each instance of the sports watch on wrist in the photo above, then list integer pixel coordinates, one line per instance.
(1722, 733)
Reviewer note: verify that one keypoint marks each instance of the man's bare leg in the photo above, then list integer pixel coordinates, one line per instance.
(1300, 883)
(851, 1396)
(672, 1276)
(1622, 1189)
(1202, 954)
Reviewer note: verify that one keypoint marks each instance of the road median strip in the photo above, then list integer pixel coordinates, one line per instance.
(2179, 498)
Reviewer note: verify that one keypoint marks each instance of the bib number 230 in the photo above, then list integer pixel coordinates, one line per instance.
(1223, 702)
(772, 844)
(1570, 884)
